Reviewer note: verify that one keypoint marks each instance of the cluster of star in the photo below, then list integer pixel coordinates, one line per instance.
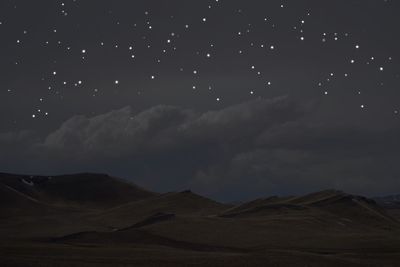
(168, 51)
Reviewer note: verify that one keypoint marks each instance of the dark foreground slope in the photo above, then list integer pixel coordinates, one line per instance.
(91, 190)
(97, 220)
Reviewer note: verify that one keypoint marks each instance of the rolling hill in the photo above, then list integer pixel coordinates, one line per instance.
(97, 220)
(91, 190)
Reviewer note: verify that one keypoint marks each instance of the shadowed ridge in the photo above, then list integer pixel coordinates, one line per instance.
(14, 203)
(185, 203)
(153, 219)
(138, 237)
(87, 189)
(316, 197)
(252, 204)
(357, 208)
(352, 208)
(95, 189)
(17, 204)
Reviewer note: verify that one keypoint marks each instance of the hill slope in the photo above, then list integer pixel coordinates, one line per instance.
(183, 203)
(93, 190)
(329, 205)
(103, 221)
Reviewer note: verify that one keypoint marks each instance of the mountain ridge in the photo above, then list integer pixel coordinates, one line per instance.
(95, 217)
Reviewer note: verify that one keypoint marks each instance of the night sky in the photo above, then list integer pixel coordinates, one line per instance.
(234, 99)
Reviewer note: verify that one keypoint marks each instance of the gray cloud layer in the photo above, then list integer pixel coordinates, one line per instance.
(256, 148)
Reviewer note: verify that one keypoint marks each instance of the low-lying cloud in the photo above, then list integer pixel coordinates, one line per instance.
(262, 147)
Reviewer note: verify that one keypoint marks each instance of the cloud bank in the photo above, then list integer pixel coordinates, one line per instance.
(257, 148)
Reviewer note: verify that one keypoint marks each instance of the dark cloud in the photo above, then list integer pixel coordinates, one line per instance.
(165, 129)
(262, 147)
(117, 133)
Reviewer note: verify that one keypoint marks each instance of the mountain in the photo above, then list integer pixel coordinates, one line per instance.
(91, 190)
(13, 202)
(97, 220)
(329, 205)
(184, 203)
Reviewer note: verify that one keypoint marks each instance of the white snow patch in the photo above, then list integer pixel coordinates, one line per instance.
(30, 183)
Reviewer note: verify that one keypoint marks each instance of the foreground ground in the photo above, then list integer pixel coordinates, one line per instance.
(96, 220)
